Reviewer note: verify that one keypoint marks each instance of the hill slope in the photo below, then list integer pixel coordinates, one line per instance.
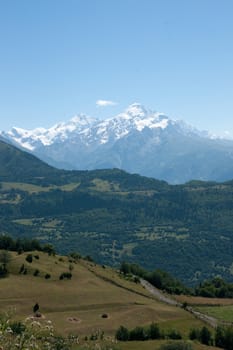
(77, 305)
(114, 216)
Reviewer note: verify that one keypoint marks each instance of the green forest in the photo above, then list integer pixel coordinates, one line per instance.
(114, 216)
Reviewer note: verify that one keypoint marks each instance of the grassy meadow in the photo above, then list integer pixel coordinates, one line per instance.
(77, 306)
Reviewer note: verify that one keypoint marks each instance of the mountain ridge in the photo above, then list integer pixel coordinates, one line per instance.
(137, 140)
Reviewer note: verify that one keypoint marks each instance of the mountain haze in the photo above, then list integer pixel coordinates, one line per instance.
(137, 140)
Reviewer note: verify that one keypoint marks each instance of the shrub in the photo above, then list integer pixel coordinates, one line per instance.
(17, 327)
(194, 334)
(47, 276)
(36, 272)
(138, 333)
(29, 258)
(67, 275)
(224, 337)
(154, 331)
(205, 336)
(48, 248)
(174, 334)
(136, 279)
(122, 334)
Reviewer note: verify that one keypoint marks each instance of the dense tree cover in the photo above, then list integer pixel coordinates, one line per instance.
(177, 229)
(215, 288)
(158, 278)
(114, 216)
(19, 245)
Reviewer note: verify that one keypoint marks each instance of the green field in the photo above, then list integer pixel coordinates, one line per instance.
(222, 313)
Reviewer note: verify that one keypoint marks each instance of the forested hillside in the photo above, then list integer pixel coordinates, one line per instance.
(113, 216)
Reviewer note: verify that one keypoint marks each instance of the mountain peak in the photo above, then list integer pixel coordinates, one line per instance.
(137, 140)
(82, 119)
(136, 110)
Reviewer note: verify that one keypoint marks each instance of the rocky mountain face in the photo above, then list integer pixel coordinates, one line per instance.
(137, 140)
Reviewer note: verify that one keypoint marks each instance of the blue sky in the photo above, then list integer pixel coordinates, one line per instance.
(58, 57)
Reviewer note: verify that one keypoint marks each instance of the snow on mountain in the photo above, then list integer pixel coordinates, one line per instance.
(31, 139)
(136, 140)
(90, 130)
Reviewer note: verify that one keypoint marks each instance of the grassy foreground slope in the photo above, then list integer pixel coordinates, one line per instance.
(76, 306)
(92, 291)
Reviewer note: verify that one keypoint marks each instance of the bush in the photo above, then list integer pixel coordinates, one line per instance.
(67, 275)
(47, 276)
(174, 334)
(48, 248)
(138, 333)
(205, 336)
(154, 331)
(29, 258)
(17, 327)
(122, 334)
(194, 334)
(176, 345)
(224, 337)
(36, 272)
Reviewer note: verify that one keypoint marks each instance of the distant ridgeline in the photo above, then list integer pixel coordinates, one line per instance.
(114, 216)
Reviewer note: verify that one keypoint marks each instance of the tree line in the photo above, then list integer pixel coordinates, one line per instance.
(216, 287)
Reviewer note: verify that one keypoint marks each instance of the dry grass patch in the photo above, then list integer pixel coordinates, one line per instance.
(92, 292)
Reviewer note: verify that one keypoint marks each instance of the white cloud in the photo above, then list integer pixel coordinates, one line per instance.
(105, 103)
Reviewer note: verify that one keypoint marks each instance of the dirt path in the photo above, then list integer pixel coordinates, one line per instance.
(168, 300)
(158, 294)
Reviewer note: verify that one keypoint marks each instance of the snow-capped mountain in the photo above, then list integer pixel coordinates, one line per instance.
(137, 140)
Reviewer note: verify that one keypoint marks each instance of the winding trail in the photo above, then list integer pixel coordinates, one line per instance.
(211, 321)
(158, 294)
